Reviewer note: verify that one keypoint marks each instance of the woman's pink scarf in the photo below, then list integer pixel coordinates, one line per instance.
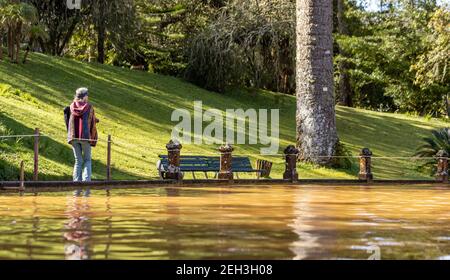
(78, 109)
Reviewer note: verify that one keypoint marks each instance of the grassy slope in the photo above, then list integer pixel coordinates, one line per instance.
(135, 107)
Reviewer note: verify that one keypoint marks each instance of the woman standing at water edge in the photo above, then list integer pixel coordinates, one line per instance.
(82, 134)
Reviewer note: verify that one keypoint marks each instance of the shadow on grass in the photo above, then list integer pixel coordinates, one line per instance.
(143, 103)
(388, 136)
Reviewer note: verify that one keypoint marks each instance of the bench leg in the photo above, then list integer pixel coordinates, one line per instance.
(160, 172)
(193, 175)
(206, 175)
(237, 175)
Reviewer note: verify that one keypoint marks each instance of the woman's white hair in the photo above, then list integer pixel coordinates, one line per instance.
(81, 93)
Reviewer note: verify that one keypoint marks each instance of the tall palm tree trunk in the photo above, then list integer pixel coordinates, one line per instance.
(316, 117)
(27, 51)
(101, 31)
(101, 37)
(10, 43)
(1, 44)
(17, 39)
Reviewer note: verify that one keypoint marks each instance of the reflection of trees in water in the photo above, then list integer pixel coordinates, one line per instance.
(78, 228)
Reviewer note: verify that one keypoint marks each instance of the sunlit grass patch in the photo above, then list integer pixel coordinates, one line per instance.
(135, 108)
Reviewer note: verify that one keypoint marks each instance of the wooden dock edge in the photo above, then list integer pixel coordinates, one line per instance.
(52, 186)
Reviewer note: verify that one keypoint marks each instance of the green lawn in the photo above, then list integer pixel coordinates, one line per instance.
(135, 107)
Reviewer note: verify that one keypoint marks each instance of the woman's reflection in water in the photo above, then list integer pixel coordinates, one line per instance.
(78, 227)
(79, 193)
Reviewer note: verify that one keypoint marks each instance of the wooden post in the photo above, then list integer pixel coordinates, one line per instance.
(226, 160)
(290, 154)
(36, 155)
(442, 166)
(174, 152)
(22, 176)
(365, 165)
(108, 160)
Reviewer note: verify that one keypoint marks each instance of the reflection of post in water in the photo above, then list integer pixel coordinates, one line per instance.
(172, 192)
(78, 229)
(109, 223)
(317, 239)
(170, 227)
(35, 227)
(307, 242)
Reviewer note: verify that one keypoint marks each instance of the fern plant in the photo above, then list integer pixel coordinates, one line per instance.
(439, 140)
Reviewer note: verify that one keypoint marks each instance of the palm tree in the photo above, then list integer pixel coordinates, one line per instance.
(10, 18)
(17, 17)
(316, 118)
(2, 25)
(439, 140)
(34, 33)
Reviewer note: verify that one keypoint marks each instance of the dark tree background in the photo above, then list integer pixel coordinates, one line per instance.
(393, 59)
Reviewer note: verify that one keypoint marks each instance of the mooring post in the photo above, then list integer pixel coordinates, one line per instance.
(442, 166)
(108, 160)
(36, 154)
(290, 155)
(22, 176)
(226, 159)
(174, 151)
(365, 165)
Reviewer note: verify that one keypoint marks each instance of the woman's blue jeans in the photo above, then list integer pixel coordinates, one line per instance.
(82, 170)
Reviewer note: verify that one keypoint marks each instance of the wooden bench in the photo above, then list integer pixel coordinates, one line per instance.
(207, 164)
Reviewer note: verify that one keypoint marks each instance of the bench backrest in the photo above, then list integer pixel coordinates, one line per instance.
(208, 164)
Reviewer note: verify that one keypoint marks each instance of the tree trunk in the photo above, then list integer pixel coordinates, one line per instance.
(345, 90)
(18, 35)
(1, 44)
(10, 43)
(447, 106)
(13, 29)
(25, 56)
(69, 34)
(316, 117)
(30, 44)
(101, 44)
(42, 45)
(91, 51)
(101, 32)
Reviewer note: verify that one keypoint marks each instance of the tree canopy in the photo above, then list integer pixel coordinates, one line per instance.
(393, 59)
